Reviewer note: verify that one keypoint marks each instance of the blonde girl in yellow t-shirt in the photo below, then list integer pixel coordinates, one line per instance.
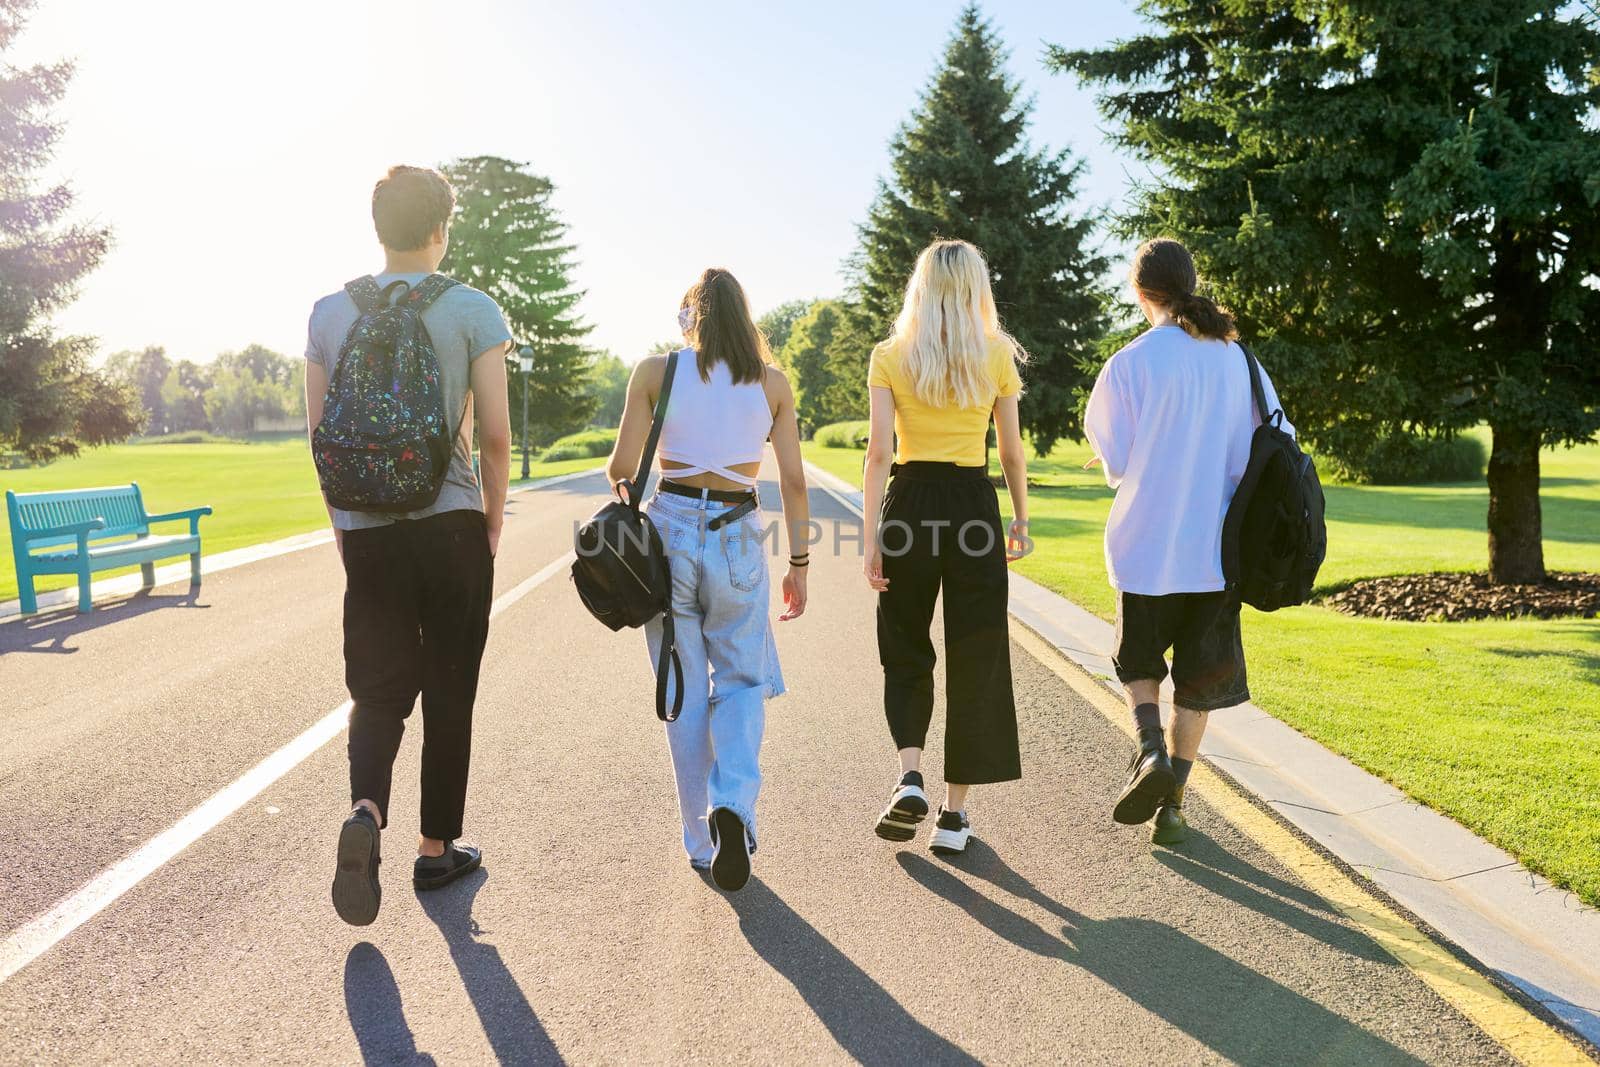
(934, 384)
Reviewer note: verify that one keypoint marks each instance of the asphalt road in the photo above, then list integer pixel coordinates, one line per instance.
(587, 938)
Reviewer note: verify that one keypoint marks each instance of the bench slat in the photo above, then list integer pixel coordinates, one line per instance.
(121, 506)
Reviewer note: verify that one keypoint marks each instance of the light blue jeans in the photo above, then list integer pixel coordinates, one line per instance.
(720, 611)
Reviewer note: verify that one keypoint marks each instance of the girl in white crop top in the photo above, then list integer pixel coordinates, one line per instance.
(726, 401)
(714, 426)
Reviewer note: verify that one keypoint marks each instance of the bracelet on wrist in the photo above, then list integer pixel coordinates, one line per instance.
(799, 563)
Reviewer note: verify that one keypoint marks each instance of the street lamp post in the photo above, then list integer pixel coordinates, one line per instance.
(525, 361)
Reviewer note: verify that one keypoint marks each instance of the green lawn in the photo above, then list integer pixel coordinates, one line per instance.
(1496, 723)
(260, 490)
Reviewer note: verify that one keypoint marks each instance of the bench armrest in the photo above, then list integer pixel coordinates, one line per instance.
(192, 514)
(78, 529)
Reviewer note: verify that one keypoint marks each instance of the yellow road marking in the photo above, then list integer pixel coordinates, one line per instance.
(1525, 1036)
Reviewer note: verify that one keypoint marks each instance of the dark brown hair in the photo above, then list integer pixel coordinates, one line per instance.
(722, 331)
(408, 204)
(1163, 272)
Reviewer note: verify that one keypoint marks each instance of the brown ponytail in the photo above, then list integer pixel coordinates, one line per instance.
(723, 331)
(1163, 272)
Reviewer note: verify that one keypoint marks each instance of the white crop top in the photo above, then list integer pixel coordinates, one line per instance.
(711, 426)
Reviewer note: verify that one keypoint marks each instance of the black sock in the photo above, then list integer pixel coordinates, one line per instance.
(912, 778)
(1147, 717)
(1180, 770)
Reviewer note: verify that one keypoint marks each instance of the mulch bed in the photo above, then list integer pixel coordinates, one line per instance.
(1458, 597)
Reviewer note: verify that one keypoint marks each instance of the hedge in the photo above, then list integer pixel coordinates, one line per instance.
(843, 434)
(1405, 460)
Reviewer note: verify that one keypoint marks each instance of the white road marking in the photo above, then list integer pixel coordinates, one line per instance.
(31, 940)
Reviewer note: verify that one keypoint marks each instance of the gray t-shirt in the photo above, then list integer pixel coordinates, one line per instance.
(464, 323)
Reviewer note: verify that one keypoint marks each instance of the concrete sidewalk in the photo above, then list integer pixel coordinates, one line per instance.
(1535, 936)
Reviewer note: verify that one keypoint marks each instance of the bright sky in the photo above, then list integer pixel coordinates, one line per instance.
(233, 147)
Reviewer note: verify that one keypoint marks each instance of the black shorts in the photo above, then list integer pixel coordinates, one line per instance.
(1202, 629)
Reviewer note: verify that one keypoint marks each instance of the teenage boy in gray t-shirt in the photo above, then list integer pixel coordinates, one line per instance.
(418, 585)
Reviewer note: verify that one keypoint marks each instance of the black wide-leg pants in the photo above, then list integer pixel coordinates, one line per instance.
(940, 530)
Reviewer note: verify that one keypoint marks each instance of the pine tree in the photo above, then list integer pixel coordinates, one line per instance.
(51, 401)
(508, 240)
(962, 167)
(1399, 203)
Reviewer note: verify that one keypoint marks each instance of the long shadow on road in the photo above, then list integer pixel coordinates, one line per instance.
(861, 1015)
(1212, 867)
(515, 1033)
(372, 999)
(49, 631)
(1236, 1012)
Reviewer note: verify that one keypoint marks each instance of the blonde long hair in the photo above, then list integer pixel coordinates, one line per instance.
(948, 325)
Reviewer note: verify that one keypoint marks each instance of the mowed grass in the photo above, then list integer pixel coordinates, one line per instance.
(1495, 723)
(259, 490)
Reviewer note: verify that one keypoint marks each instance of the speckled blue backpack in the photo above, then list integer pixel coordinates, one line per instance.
(384, 442)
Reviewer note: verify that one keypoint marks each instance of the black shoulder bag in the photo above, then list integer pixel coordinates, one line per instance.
(621, 566)
(1274, 536)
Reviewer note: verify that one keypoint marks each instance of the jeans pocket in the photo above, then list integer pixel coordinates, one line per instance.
(747, 566)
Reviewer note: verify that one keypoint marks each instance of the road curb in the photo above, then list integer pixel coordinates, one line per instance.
(1539, 938)
(128, 584)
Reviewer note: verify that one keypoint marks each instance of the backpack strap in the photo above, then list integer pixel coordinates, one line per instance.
(641, 477)
(430, 289)
(365, 292)
(668, 657)
(1255, 384)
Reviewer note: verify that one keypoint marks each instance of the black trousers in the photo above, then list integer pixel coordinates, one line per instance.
(940, 529)
(416, 616)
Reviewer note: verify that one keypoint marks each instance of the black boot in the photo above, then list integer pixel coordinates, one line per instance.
(1171, 827)
(1150, 779)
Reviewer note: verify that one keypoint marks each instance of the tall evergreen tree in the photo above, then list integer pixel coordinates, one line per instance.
(51, 401)
(508, 240)
(1399, 202)
(962, 167)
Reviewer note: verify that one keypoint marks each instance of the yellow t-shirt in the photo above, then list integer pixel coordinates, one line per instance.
(940, 434)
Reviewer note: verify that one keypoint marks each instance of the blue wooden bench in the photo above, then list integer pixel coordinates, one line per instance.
(65, 523)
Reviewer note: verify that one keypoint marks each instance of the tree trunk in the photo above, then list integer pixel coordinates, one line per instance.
(1516, 529)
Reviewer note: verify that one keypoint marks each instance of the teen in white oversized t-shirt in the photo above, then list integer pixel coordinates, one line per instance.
(1171, 418)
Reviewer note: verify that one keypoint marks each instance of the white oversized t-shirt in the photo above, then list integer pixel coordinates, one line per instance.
(1171, 419)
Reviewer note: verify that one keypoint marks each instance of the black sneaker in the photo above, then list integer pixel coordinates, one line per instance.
(950, 834)
(432, 872)
(1150, 779)
(356, 893)
(730, 860)
(908, 805)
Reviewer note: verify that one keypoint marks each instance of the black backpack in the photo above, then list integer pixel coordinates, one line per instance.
(384, 443)
(1274, 537)
(621, 565)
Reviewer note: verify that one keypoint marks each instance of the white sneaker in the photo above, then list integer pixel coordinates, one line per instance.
(951, 833)
(907, 806)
